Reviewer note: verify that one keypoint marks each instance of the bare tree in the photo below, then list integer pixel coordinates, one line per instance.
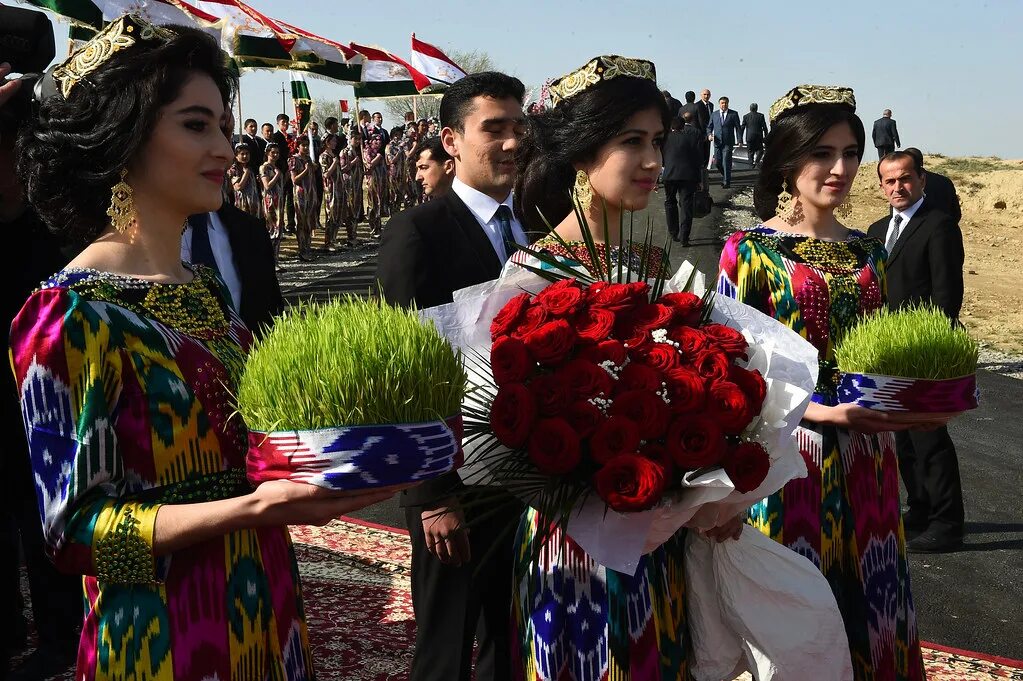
(428, 106)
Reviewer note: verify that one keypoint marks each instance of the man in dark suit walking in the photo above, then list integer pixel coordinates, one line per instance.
(724, 130)
(885, 134)
(925, 265)
(941, 191)
(683, 174)
(753, 130)
(461, 580)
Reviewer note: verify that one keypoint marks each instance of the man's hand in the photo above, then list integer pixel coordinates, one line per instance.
(447, 537)
(8, 89)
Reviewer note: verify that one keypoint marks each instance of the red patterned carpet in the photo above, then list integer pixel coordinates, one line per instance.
(359, 609)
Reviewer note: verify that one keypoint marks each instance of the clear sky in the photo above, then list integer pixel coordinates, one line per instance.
(952, 72)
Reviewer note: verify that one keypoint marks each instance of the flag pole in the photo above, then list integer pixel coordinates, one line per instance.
(241, 124)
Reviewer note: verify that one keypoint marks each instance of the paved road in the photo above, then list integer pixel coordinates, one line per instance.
(972, 599)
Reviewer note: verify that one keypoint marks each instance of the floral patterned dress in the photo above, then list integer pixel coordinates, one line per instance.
(351, 176)
(125, 390)
(376, 180)
(577, 620)
(396, 175)
(845, 515)
(333, 196)
(306, 202)
(248, 197)
(273, 204)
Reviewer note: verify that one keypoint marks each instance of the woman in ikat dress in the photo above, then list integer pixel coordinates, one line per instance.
(125, 360)
(806, 269)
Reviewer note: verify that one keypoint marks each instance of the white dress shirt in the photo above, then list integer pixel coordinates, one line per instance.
(907, 215)
(484, 209)
(221, 246)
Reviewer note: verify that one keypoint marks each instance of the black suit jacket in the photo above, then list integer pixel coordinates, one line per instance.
(754, 127)
(683, 155)
(706, 109)
(428, 252)
(926, 264)
(254, 261)
(941, 193)
(700, 117)
(885, 133)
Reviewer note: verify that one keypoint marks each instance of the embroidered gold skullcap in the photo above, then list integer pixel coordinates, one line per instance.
(598, 70)
(118, 35)
(802, 95)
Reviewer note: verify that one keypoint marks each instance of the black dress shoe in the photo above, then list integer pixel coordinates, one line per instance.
(933, 540)
(913, 526)
(685, 243)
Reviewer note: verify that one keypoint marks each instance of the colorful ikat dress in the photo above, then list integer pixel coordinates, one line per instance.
(845, 515)
(125, 390)
(580, 621)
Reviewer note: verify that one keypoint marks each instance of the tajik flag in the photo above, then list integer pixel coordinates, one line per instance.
(434, 64)
(303, 102)
(385, 75)
(162, 13)
(246, 32)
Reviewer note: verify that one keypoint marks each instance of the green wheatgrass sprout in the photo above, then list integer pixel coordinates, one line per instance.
(915, 342)
(350, 362)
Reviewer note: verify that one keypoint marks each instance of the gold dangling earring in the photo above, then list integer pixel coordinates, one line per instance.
(844, 209)
(122, 204)
(583, 191)
(789, 209)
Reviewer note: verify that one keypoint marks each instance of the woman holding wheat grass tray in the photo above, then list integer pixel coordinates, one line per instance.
(125, 359)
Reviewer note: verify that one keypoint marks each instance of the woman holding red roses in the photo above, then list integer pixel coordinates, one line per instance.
(806, 269)
(576, 618)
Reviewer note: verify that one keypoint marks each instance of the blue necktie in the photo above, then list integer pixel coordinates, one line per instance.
(504, 218)
(202, 251)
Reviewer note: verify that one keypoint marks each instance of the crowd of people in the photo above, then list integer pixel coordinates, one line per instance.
(305, 184)
(126, 357)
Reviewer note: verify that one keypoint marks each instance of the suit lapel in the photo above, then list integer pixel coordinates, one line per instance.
(907, 234)
(474, 234)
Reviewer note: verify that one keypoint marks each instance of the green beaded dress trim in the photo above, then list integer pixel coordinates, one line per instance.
(123, 556)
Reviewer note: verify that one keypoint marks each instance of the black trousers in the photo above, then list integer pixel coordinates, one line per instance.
(884, 151)
(676, 192)
(930, 471)
(755, 150)
(455, 605)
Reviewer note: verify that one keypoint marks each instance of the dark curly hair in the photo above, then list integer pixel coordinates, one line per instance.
(72, 153)
(792, 139)
(573, 132)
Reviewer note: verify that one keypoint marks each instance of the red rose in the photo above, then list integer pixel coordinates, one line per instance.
(687, 391)
(688, 307)
(532, 319)
(551, 394)
(509, 316)
(658, 453)
(552, 342)
(510, 361)
(731, 342)
(712, 364)
(584, 417)
(554, 447)
(512, 415)
(645, 409)
(594, 324)
(561, 298)
(629, 482)
(610, 349)
(636, 376)
(584, 379)
(729, 406)
(617, 297)
(751, 383)
(635, 340)
(617, 435)
(691, 342)
(660, 356)
(695, 442)
(747, 465)
(652, 316)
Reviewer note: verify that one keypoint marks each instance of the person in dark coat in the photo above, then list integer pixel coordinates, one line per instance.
(754, 131)
(673, 104)
(941, 191)
(925, 265)
(683, 174)
(885, 134)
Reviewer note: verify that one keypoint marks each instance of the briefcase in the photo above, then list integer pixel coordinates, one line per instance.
(702, 203)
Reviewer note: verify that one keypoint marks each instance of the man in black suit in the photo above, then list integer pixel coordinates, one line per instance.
(238, 246)
(925, 264)
(683, 174)
(754, 130)
(885, 134)
(282, 138)
(941, 191)
(256, 144)
(724, 130)
(673, 104)
(461, 580)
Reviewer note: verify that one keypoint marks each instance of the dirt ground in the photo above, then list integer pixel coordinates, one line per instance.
(991, 195)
